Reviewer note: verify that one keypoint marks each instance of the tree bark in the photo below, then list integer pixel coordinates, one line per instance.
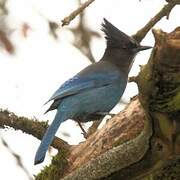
(121, 142)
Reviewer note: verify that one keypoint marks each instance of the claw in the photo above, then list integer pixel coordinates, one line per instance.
(83, 131)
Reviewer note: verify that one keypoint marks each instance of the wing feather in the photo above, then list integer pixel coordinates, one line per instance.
(77, 85)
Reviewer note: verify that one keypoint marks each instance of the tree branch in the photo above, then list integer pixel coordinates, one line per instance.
(83, 37)
(29, 126)
(17, 157)
(69, 18)
(165, 11)
(106, 151)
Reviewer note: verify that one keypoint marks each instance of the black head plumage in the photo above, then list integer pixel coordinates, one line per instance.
(116, 38)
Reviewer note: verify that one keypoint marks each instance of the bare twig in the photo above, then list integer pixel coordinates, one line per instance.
(6, 42)
(3, 9)
(69, 18)
(17, 157)
(165, 11)
(53, 26)
(83, 37)
(29, 126)
(132, 79)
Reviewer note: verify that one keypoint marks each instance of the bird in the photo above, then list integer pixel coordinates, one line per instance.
(94, 91)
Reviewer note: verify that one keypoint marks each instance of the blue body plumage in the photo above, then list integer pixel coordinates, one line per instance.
(96, 89)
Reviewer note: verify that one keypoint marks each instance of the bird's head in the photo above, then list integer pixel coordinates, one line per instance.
(119, 40)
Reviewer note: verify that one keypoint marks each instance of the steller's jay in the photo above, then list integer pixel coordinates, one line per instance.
(95, 90)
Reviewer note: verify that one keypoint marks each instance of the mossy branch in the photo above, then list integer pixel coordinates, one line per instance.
(29, 126)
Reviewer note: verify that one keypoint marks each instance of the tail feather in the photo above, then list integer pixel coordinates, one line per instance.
(48, 137)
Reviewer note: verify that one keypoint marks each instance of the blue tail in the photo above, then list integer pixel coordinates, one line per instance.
(49, 136)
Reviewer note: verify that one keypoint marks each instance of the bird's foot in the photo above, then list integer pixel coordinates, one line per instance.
(93, 128)
(84, 133)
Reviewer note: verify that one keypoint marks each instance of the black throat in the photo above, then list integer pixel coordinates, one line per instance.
(123, 59)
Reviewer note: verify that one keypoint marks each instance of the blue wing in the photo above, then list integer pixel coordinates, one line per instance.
(86, 80)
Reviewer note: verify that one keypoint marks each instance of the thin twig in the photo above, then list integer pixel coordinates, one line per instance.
(4, 39)
(165, 11)
(29, 126)
(17, 157)
(83, 37)
(69, 18)
(132, 79)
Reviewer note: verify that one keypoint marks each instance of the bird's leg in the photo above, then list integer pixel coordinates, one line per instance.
(106, 114)
(83, 131)
(93, 127)
(95, 124)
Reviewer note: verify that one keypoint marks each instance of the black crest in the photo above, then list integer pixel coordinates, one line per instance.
(116, 38)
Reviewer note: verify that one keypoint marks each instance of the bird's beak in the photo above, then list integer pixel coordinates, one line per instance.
(141, 48)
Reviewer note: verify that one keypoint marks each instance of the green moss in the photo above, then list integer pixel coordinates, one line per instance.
(165, 124)
(170, 103)
(56, 169)
(169, 172)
